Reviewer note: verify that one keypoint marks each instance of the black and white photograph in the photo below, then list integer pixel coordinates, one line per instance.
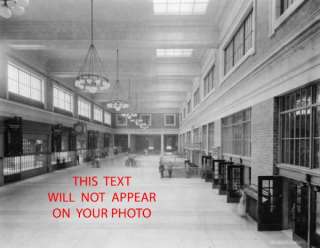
(160, 123)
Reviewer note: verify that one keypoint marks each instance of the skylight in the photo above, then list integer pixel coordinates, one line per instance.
(180, 7)
(174, 52)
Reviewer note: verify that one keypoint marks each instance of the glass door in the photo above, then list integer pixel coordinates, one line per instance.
(300, 230)
(235, 180)
(269, 203)
(223, 177)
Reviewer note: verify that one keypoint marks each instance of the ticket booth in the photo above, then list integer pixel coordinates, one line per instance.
(235, 182)
(222, 187)
(269, 203)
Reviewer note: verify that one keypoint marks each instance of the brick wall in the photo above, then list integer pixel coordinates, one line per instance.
(262, 138)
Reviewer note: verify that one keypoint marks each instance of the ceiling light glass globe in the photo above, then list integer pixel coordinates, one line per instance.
(5, 12)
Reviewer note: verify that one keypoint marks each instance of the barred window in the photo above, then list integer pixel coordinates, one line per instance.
(299, 113)
(25, 83)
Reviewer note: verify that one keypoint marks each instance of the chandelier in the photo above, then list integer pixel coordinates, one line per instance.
(12, 7)
(131, 114)
(91, 77)
(117, 102)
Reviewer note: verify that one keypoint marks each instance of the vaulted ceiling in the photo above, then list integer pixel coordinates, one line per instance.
(57, 33)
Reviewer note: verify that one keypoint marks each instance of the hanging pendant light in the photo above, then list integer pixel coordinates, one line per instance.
(131, 114)
(117, 102)
(91, 77)
(12, 7)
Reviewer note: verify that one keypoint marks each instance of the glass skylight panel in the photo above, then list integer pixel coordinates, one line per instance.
(180, 7)
(174, 52)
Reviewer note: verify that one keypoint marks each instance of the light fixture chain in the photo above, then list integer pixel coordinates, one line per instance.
(91, 22)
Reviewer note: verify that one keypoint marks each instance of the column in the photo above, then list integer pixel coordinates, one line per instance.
(162, 144)
(3, 72)
(129, 143)
(111, 147)
(1, 158)
(75, 106)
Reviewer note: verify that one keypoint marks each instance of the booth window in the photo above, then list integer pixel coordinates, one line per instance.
(25, 83)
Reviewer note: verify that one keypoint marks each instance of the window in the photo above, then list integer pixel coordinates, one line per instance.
(236, 134)
(188, 138)
(285, 4)
(25, 83)
(170, 120)
(209, 81)
(184, 113)
(146, 118)
(189, 106)
(299, 111)
(121, 120)
(211, 135)
(62, 99)
(196, 97)
(174, 53)
(196, 136)
(282, 10)
(180, 7)
(84, 108)
(107, 118)
(97, 113)
(239, 45)
(204, 144)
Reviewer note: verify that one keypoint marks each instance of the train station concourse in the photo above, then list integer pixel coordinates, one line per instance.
(160, 123)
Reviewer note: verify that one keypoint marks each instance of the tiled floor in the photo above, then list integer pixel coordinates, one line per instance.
(188, 213)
